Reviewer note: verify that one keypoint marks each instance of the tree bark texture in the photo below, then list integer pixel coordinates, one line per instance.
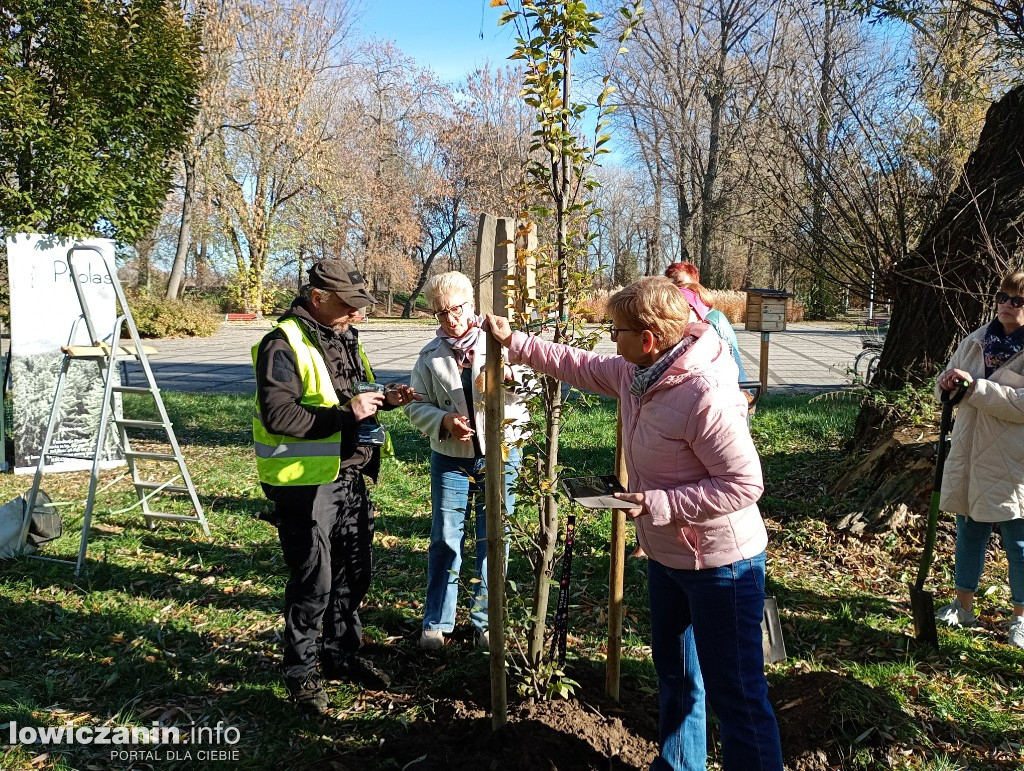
(944, 288)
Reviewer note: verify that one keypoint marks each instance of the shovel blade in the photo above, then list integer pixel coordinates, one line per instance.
(772, 644)
(922, 607)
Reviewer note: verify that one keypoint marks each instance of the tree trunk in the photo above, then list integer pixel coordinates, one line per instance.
(453, 231)
(957, 265)
(202, 264)
(184, 231)
(685, 218)
(819, 296)
(145, 247)
(716, 103)
(944, 288)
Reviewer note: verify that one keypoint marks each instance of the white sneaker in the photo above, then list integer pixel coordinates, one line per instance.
(483, 639)
(432, 639)
(954, 615)
(1016, 632)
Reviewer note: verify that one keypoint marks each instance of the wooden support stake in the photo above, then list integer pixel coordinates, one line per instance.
(765, 339)
(616, 575)
(494, 417)
(495, 243)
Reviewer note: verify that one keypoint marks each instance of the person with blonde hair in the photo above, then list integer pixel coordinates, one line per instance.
(983, 483)
(447, 376)
(695, 479)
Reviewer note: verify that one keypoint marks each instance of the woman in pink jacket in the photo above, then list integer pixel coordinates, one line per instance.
(696, 478)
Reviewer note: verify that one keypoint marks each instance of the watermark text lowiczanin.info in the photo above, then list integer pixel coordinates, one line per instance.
(148, 742)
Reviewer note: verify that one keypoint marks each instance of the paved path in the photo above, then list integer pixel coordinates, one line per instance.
(807, 357)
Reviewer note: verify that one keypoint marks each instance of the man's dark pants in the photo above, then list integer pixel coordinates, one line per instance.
(326, 532)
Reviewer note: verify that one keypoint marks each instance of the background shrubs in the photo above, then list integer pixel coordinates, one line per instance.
(157, 317)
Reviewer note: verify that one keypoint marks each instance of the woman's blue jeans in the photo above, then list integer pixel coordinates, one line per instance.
(456, 495)
(971, 543)
(706, 643)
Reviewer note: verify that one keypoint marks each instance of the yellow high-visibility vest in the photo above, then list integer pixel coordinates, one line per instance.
(287, 460)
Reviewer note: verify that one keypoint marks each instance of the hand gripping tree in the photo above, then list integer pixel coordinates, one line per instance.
(557, 199)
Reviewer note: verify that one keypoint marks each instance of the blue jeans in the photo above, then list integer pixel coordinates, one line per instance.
(972, 541)
(456, 493)
(706, 633)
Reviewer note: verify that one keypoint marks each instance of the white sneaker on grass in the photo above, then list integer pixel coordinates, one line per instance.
(432, 639)
(954, 615)
(1016, 632)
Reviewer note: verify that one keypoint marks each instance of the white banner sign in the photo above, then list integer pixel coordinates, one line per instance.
(45, 315)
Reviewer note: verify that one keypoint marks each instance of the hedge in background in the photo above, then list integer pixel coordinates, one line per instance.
(157, 317)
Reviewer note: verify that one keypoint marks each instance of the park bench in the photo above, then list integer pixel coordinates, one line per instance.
(241, 316)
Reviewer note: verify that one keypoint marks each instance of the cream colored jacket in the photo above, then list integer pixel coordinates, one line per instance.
(984, 473)
(436, 378)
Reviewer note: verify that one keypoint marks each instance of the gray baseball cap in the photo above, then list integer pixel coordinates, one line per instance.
(342, 278)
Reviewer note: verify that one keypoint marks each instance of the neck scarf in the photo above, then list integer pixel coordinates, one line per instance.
(645, 377)
(463, 346)
(999, 346)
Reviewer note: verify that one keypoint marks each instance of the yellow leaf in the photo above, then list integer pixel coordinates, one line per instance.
(498, 3)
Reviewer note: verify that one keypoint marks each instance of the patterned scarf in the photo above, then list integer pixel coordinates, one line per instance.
(463, 346)
(999, 346)
(645, 377)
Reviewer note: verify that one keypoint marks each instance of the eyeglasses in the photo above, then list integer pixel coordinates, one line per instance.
(613, 332)
(454, 313)
(1016, 301)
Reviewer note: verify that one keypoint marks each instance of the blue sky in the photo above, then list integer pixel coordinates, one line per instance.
(444, 35)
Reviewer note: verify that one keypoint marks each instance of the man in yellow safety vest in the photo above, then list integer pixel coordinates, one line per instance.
(317, 438)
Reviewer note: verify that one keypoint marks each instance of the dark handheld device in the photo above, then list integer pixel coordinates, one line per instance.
(371, 435)
(363, 387)
(596, 492)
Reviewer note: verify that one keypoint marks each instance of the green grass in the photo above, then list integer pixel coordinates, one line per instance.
(165, 625)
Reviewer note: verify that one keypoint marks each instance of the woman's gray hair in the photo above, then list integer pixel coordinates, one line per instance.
(446, 285)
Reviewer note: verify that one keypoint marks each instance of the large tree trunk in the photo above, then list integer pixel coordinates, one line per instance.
(944, 287)
(184, 231)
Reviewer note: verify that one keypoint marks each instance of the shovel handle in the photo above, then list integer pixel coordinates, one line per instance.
(949, 400)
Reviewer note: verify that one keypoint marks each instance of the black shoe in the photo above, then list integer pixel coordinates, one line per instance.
(356, 669)
(308, 693)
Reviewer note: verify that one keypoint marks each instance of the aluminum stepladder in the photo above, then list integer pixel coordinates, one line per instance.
(108, 356)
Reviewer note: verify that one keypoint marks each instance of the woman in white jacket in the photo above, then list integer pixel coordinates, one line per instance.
(983, 480)
(447, 376)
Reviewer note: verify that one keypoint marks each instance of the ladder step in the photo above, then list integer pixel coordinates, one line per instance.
(161, 487)
(150, 455)
(174, 517)
(139, 423)
(134, 389)
(103, 351)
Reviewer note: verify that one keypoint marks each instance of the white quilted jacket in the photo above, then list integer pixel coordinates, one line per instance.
(984, 473)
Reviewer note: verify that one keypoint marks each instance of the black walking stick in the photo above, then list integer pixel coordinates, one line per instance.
(922, 603)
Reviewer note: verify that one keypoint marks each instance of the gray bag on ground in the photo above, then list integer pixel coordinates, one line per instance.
(44, 527)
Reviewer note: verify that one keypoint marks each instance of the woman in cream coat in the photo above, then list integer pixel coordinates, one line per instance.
(447, 376)
(983, 481)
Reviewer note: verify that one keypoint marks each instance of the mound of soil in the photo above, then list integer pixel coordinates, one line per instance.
(564, 735)
(579, 735)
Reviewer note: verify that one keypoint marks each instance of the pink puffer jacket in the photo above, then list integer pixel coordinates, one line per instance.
(687, 447)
